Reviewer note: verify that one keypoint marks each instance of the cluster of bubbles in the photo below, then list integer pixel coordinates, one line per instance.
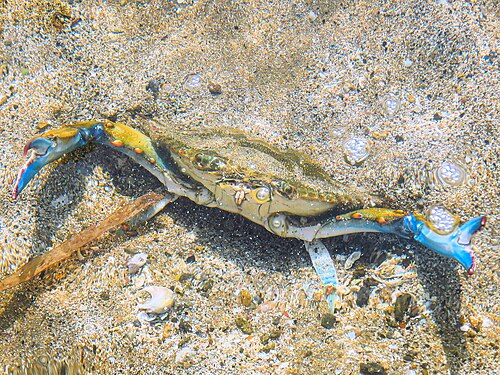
(192, 82)
(391, 104)
(441, 219)
(451, 174)
(356, 150)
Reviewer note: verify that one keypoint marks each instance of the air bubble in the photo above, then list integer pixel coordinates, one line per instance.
(356, 150)
(192, 82)
(441, 219)
(451, 174)
(337, 131)
(391, 104)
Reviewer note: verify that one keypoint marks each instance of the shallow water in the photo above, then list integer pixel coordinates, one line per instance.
(418, 81)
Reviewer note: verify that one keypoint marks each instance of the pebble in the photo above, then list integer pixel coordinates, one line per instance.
(245, 298)
(486, 323)
(185, 326)
(311, 15)
(42, 125)
(351, 335)
(140, 281)
(60, 202)
(372, 368)
(206, 285)
(264, 338)
(328, 321)
(214, 88)
(186, 276)
(402, 305)
(153, 86)
(244, 325)
(167, 331)
(144, 317)
(275, 334)
(268, 347)
(363, 296)
(407, 62)
(184, 355)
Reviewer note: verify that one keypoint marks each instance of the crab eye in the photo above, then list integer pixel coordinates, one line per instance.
(208, 162)
(261, 194)
(198, 159)
(217, 163)
(284, 188)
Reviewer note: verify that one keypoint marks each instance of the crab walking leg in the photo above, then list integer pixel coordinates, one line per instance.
(325, 268)
(150, 211)
(455, 243)
(53, 144)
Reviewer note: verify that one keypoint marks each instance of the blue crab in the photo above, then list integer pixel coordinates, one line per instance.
(283, 191)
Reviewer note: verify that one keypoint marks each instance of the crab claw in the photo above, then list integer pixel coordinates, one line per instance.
(439, 230)
(53, 144)
(45, 149)
(456, 244)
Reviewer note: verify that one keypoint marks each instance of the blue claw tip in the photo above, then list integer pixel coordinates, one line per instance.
(36, 162)
(455, 245)
(44, 150)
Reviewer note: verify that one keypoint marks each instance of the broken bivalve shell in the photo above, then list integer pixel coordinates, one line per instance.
(136, 262)
(161, 300)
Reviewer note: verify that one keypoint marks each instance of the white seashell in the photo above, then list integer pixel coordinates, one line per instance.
(351, 335)
(161, 300)
(139, 281)
(465, 328)
(147, 274)
(136, 262)
(352, 259)
(184, 355)
(487, 323)
(144, 317)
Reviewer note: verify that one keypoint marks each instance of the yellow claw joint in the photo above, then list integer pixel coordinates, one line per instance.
(120, 135)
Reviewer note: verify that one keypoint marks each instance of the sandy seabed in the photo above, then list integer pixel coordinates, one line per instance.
(416, 82)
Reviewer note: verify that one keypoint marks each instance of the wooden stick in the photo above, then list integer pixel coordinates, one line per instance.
(41, 262)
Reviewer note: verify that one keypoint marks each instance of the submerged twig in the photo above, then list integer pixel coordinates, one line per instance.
(41, 262)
